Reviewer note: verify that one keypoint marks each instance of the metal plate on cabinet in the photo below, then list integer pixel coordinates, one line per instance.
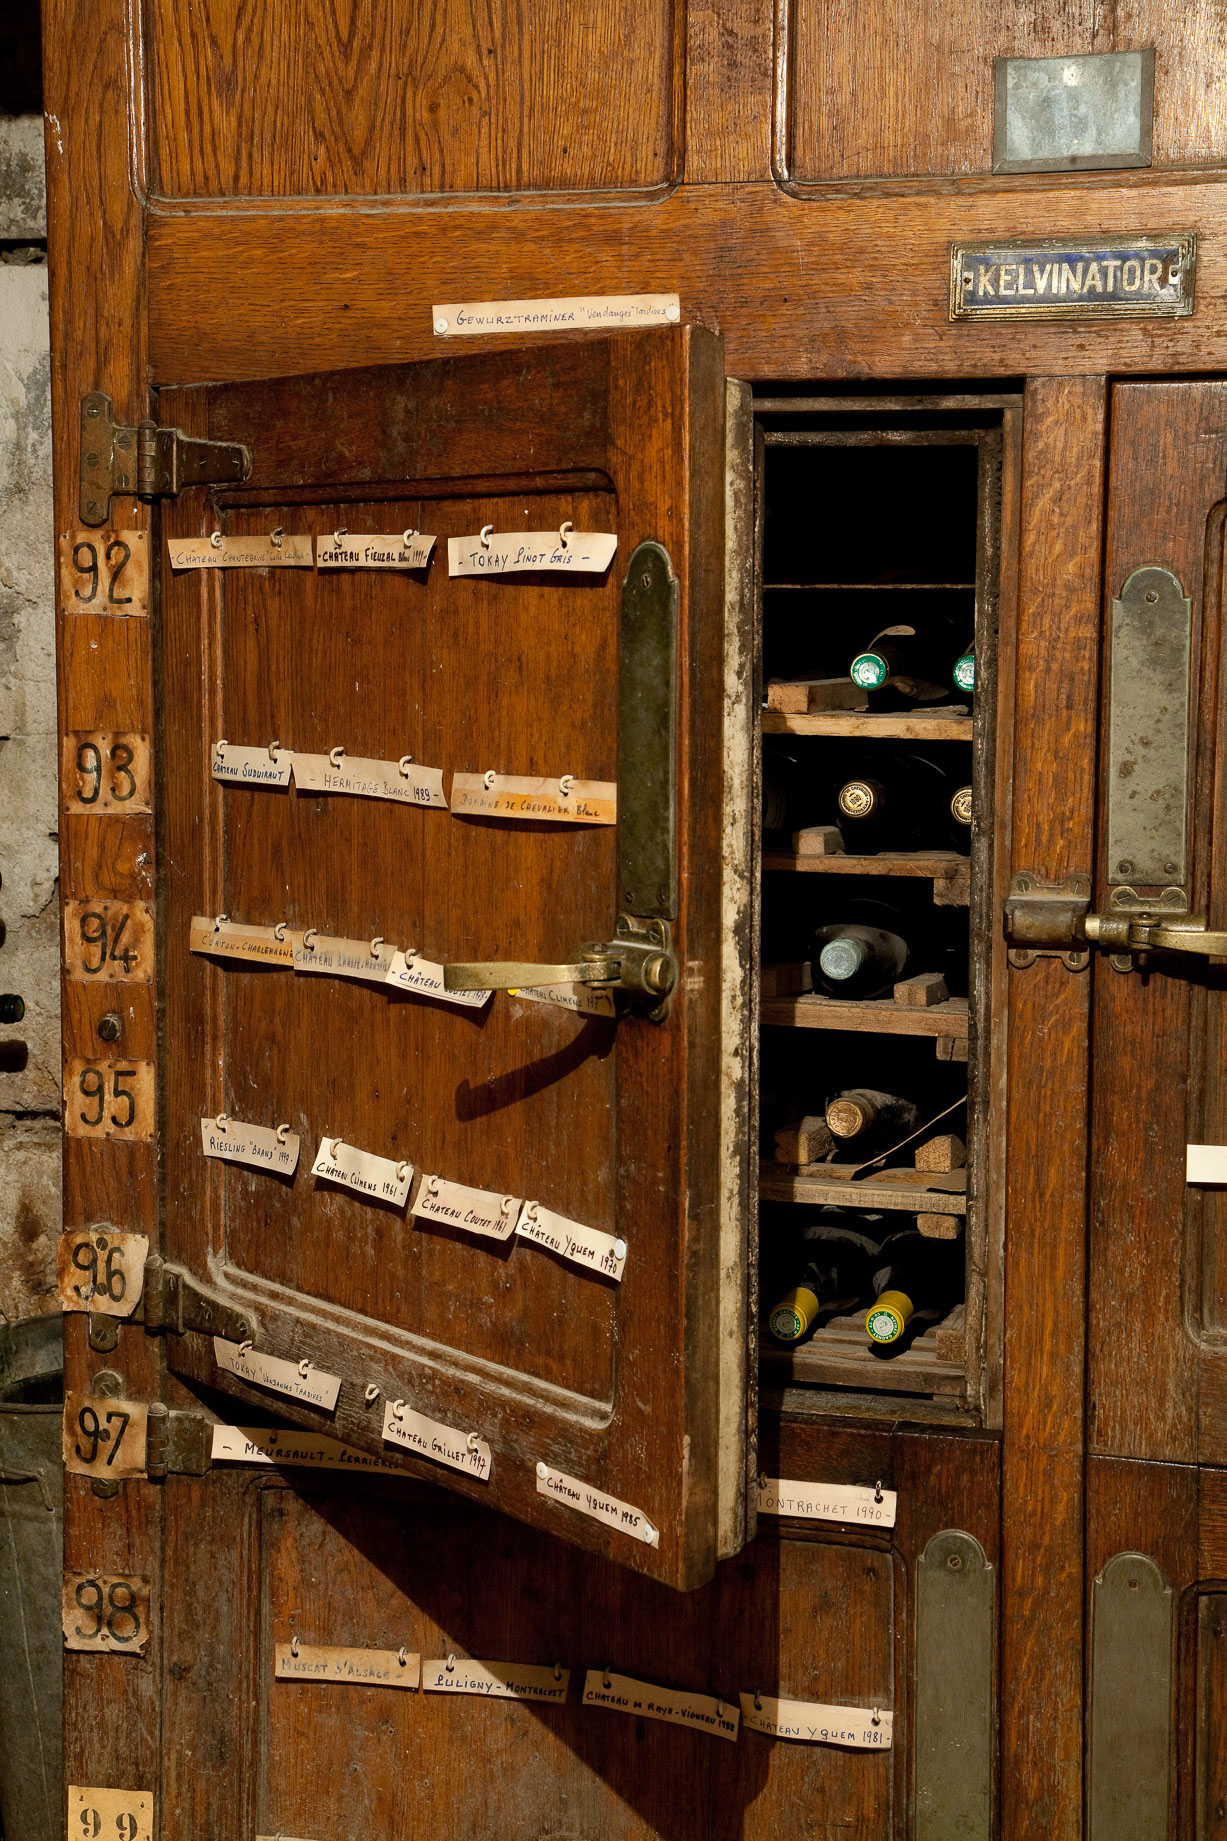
(647, 718)
(1132, 1616)
(1148, 729)
(1073, 114)
(954, 1724)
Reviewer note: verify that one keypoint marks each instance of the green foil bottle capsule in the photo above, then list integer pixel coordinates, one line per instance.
(964, 672)
(869, 670)
(12, 1008)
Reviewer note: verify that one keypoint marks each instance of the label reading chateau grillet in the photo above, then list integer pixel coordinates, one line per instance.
(1111, 277)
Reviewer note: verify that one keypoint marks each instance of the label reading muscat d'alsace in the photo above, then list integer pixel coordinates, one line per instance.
(371, 550)
(367, 1668)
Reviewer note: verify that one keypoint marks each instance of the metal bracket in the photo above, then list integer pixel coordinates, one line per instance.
(647, 724)
(955, 1724)
(172, 1300)
(146, 461)
(1130, 1712)
(1043, 920)
(177, 1444)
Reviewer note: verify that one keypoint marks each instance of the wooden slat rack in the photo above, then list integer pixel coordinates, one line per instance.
(839, 1354)
(874, 1015)
(915, 1191)
(908, 725)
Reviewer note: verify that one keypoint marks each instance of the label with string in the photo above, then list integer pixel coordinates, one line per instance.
(401, 781)
(870, 1505)
(597, 1504)
(263, 1147)
(234, 766)
(813, 1723)
(496, 1680)
(288, 1448)
(558, 313)
(365, 1668)
(424, 978)
(624, 1694)
(477, 1211)
(346, 549)
(277, 550)
(384, 1179)
(369, 961)
(586, 1247)
(297, 1379)
(565, 801)
(564, 551)
(442, 1444)
(222, 938)
(583, 999)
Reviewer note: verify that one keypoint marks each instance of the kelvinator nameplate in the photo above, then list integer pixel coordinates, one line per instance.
(1061, 279)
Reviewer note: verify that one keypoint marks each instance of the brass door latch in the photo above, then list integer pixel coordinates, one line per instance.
(1052, 919)
(637, 966)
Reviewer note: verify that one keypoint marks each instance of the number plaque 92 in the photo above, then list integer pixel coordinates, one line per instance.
(104, 572)
(104, 1437)
(109, 1099)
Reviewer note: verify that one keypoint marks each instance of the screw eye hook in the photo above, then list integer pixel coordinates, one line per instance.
(294, 1645)
(562, 533)
(485, 535)
(877, 1490)
(215, 538)
(277, 536)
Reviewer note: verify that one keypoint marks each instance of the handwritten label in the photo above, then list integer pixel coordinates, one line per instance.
(104, 572)
(566, 313)
(100, 1270)
(365, 779)
(324, 954)
(240, 552)
(281, 1377)
(1205, 1163)
(586, 1247)
(109, 1815)
(261, 1146)
(374, 550)
(496, 1680)
(523, 552)
(367, 1668)
(292, 1450)
(443, 1444)
(816, 1724)
(227, 939)
(104, 1436)
(827, 1501)
(623, 1694)
(250, 766)
(584, 999)
(382, 1178)
(425, 978)
(580, 802)
(478, 1211)
(596, 1504)
(105, 1613)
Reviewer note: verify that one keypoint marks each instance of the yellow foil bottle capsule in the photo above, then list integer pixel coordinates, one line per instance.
(794, 1313)
(889, 1317)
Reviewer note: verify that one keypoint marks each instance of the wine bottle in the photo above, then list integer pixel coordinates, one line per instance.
(792, 792)
(964, 671)
(850, 959)
(892, 799)
(867, 1117)
(907, 662)
(915, 1278)
(960, 819)
(839, 1251)
(12, 1008)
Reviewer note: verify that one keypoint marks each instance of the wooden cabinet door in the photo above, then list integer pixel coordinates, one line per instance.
(557, 1369)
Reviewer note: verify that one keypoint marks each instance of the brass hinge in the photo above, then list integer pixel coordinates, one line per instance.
(177, 1444)
(147, 461)
(172, 1300)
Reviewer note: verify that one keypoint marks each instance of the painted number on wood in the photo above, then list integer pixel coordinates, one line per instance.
(103, 770)
(105, 941)
(109, 1815)
(104, 572)
(109, 1099)
(105, 1613)
(101, 1270)
(104, 1437)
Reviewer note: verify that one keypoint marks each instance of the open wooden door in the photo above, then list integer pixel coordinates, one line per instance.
(561, 1364)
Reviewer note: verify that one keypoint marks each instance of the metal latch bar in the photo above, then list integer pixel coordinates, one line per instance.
(172, 1301)
(147, 461)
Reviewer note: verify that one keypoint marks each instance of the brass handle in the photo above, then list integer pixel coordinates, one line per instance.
(1142, 933)
(638, 966)
(510, 974)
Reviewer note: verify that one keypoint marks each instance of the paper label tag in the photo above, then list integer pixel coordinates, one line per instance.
(250, 766)
(240, 552)
(496, 1680)
(232, 940)
(1205, 1163)
(374, 550)
(105, 1613)
(585, 999)
(104, 1436)
(282, 1377)
(478, 1211)
(102, 1815)
(586, 1247)
(257, 1145)
(564, 313)
(99, 1270)
(293, 1450)
(816, 1724)
(827, 1501)
(701, 1712)
(366, 1668)
(522, 552)
(383, 1178)
(425, 978)
(596, 1504)
(586, 802)
(327, 955)
(366, 779)
(443, 1444)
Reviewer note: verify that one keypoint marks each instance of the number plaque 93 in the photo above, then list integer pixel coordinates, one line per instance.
(105, 770)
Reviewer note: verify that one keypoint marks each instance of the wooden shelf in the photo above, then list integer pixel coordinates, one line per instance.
(864, 587)
(840, 1354)
(907, 725)
(875, 1015)
(913, 1191)
(940, 864)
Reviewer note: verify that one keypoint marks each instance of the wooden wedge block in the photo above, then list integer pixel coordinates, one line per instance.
(803, 1141)
(951, 1048)
(953, 891)
(942, 1154)
(924, 989)
(803, 696)
(951, 1336)
(785, 980)
(818, 841)
(940, 1227)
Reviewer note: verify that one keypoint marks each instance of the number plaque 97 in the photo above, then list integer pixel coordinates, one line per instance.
(104, 1437)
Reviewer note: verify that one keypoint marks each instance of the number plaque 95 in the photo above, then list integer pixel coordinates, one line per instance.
(109, 1099)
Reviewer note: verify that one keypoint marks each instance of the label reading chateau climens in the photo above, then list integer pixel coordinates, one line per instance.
(1109, 278)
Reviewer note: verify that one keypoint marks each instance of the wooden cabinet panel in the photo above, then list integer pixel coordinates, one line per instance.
(288, 99)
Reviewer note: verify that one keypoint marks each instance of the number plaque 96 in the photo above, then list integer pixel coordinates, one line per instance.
(99, 1269)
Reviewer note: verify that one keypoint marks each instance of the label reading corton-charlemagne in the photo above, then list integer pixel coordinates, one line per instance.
(1062, 279)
